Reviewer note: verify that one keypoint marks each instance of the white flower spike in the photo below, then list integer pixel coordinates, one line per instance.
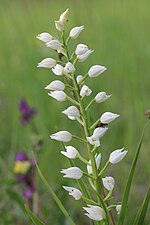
(117, 155)
(58, 95)
(85, 91)
(54, 44)
(94, 212)
(108, 183)
(72, 172)
(56, 85)
(70, 153)
(47, 63)
(96, 70)
(72, 112)
(83, 57)
(69, 68)
(118, 209)
(108, 117)
(81, 49)
(58, 70)
(74, 192)
(101, 97)
(63, 136)
(74, 33)
(98, 160)
(45, 37)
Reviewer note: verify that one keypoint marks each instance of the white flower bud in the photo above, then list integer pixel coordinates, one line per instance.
(94, 212)
(54, 44)
(98, 160)
(69, 68)
(58, 95)
(79, 78)
(85, 91)
(74, 33)
(83, 57)
(45, 37)
(47, 63)
(63, 136)
(74, 192)
(72, 172)
(108, 183)
(72, 112)
(99, 132)
(58, 70)
(81, 49)
(117, 155)
(56, 85)
(59, 25)
(101, 97)
(118, 209)
(108, 117)
(64, 16)
(96, 70)
(70, 153)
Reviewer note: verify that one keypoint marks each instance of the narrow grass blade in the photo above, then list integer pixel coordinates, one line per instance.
(34, 219)
(142, 211)
(129, 182)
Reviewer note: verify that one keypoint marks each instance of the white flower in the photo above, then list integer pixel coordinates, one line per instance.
(69, 68)
(72, 172)
(56, 85)
(59, 25)
(117, 155)
(74, 33)
(45, 37)
(108, 183)
(96, 70)
(72, 112)
(101, 97)
(83, 57)
(79, 78)
(71, 152)
(54, 44)
(64, 16)
(63, 136)
(47, 63)
(97, 159)
(74, 192)
(85, 91)
(58, 70)
(81, 49)
(58, 95)
(118, 209)
(108, 117)
(97, 134)
(94, 212)
(93, 141)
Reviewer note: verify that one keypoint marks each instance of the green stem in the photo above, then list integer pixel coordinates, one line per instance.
(93, 100)
(84, 78)
(94, 124)
(90, 176)
(83, 160)
(104, 168)
(72, 101)
(78, 138)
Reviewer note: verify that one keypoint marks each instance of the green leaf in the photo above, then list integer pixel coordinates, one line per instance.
(129, 182)
(143, 209)
(34, 219)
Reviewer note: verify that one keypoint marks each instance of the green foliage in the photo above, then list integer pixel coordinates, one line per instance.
(34, 218)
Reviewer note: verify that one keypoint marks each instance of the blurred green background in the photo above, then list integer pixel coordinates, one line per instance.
(119, 33)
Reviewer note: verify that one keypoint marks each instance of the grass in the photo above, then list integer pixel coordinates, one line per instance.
(118, 31)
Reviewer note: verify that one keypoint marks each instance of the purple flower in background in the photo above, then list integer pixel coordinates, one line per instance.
(26, 112)
(28, 193)
(21, 156)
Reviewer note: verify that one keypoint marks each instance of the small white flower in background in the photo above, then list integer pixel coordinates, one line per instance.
(72, 112)
(118, 209)
(70, 153)
(45, 37)
(94, 212)
(74, 33)
(64, 16)
(58, 95)
(47, 63)
(76, 194)
(54, 44)
(117, 155)
(72, 172)
(96, 70)
(108, 117)
(58, 70)
(98, 160)
(85, 91)
(63, 136)
(108, 183)
(79, 78)
(101, 97)
(83, 57)
(69, 68)
(59, 25)
(81, 49)
(56, 85)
